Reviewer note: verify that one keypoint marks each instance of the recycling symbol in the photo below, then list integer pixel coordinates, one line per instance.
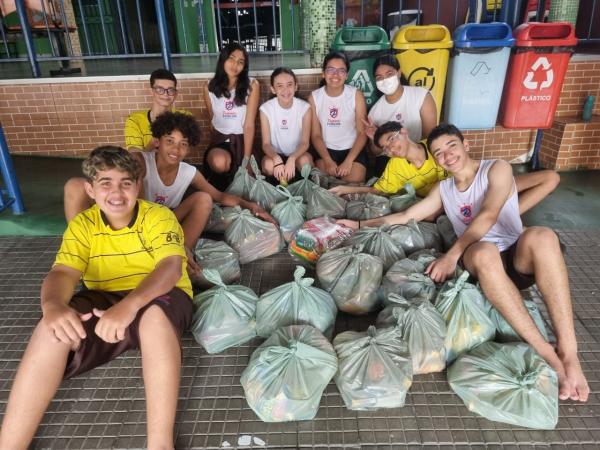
(362, 81)
(423, 77)
(530, 83)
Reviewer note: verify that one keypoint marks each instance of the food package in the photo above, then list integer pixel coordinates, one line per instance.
(287, 374)
(506, 333)
(460, 304)
(303, 187)
(374, 368)
(321, 202)
(428, 255)
(325, 181)
(296, 302)
(290, 213)
(507, 383)
(406, 278)
(446, 231)
(242, 180)
(431, 236)
(409, 237)
(252, 237)
(263, 192)
(366, 206)
(422, 326)
(377, 241)
(219, 256)
(404, 200)
(316, 237)
(352, 278)
(216, 221)
(224, 314)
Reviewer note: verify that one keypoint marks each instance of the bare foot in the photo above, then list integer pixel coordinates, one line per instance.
(565, 387)
(577, 381)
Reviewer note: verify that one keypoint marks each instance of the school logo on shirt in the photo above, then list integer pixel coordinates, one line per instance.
(229, 105)
(160, 199)
(284, 124)
(229, 112)
(333, 112)
(399, 117)
(332, 120)
(466, 211)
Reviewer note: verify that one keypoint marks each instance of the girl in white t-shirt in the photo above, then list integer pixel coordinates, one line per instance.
(285, 127)
(338, 116)
(231, 98)
(412, 106)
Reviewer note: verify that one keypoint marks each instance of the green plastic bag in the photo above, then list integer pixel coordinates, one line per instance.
(401, 202)
(303, 187)
(507, 383)
(460, 304)
(321, 202)
(287, 374)
(219, 256)
(375, 369)
(446, 230)
(242, 181)
(366, 206)
(263, 192)
(352, 278)
(296, 302)
(377, 241)
(406, 278)
(224, 315)
(422, 326)
(325, 181)
(506, 333)
(290, 213)
(431, 236)
(217, 222)
(252, 237)
(409, 237)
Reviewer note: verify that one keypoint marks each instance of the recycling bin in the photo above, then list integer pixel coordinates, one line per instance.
(476, 74)
(362, 45)
(536, 73)
(423, 52)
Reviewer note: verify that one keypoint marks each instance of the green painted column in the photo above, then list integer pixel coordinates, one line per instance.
(563, 11)
(321, 28)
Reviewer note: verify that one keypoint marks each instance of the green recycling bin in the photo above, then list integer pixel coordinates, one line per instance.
(362, 45)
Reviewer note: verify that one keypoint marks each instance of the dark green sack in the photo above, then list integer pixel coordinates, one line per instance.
(321, 202)
(507, 383)
(403, 201)
(219, 256)
(366, 206)
(287, 374)
(242, 181)
(377, 241)
(290, 214)
(375, 369)
(422, 326)
(303, 187)
(406, 278)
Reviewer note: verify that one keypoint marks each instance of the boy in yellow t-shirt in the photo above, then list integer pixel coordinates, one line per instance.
(129, 255)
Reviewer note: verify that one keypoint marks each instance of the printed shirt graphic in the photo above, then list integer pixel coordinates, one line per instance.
(337, 117)
(118, 260)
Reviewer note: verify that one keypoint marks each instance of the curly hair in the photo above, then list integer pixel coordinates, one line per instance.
(107, 157)
(219, 84)
(184, 123)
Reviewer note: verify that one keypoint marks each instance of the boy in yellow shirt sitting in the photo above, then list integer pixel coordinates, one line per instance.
(129, 255)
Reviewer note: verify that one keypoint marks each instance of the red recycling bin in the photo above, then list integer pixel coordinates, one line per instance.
(536, 72)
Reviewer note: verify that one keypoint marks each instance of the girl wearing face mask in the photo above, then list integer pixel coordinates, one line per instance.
(412, 106)
(338, 119)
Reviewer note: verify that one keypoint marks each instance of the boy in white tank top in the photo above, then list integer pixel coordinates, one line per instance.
(480, 200)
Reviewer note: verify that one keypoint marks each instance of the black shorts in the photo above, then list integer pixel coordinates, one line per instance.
(93, 351)
(521, 280)
(340, 155)
(226, 145)
(380, 163)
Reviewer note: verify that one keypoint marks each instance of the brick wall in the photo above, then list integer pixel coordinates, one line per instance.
(70, 118)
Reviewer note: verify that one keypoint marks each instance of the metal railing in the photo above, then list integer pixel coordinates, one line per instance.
(96, 29)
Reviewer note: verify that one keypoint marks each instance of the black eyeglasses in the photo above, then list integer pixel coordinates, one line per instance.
(161, 90)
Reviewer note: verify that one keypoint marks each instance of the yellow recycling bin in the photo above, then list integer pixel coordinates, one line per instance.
(423, 51)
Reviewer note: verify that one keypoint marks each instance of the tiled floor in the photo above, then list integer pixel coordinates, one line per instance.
(104, 409)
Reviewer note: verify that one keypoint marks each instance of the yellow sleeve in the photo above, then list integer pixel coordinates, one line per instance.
(134, 135)
(74, 250)
(390, 182)
(164, 233)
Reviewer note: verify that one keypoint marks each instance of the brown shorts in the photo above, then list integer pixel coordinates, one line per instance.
(94, 352)
(521, 280)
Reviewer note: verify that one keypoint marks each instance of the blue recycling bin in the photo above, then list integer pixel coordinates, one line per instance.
(476, 74)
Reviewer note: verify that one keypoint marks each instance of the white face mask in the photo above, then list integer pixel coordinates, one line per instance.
(388, 85)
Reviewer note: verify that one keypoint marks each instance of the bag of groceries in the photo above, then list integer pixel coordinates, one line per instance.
(287, 374)
(252, 237)
(216, 221)
(366, 206)
(422, 326)
(224, 315)
(404, 200)
(374, 368)
(446, 231)
(506, 333)
(263, 192)
(460, 304)
(321, 202)
(296, 302)
(406, 278)
(242, 181)
(377, 241)
(409, 237)
(352, 278)
(303, 187)
(219, 256)
(507, 383)
(290, 214)
(316, 237)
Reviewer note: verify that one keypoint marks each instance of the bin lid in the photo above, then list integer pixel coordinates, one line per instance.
(540, 34)
(361, 38)
(479, 35)
(422, 37)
